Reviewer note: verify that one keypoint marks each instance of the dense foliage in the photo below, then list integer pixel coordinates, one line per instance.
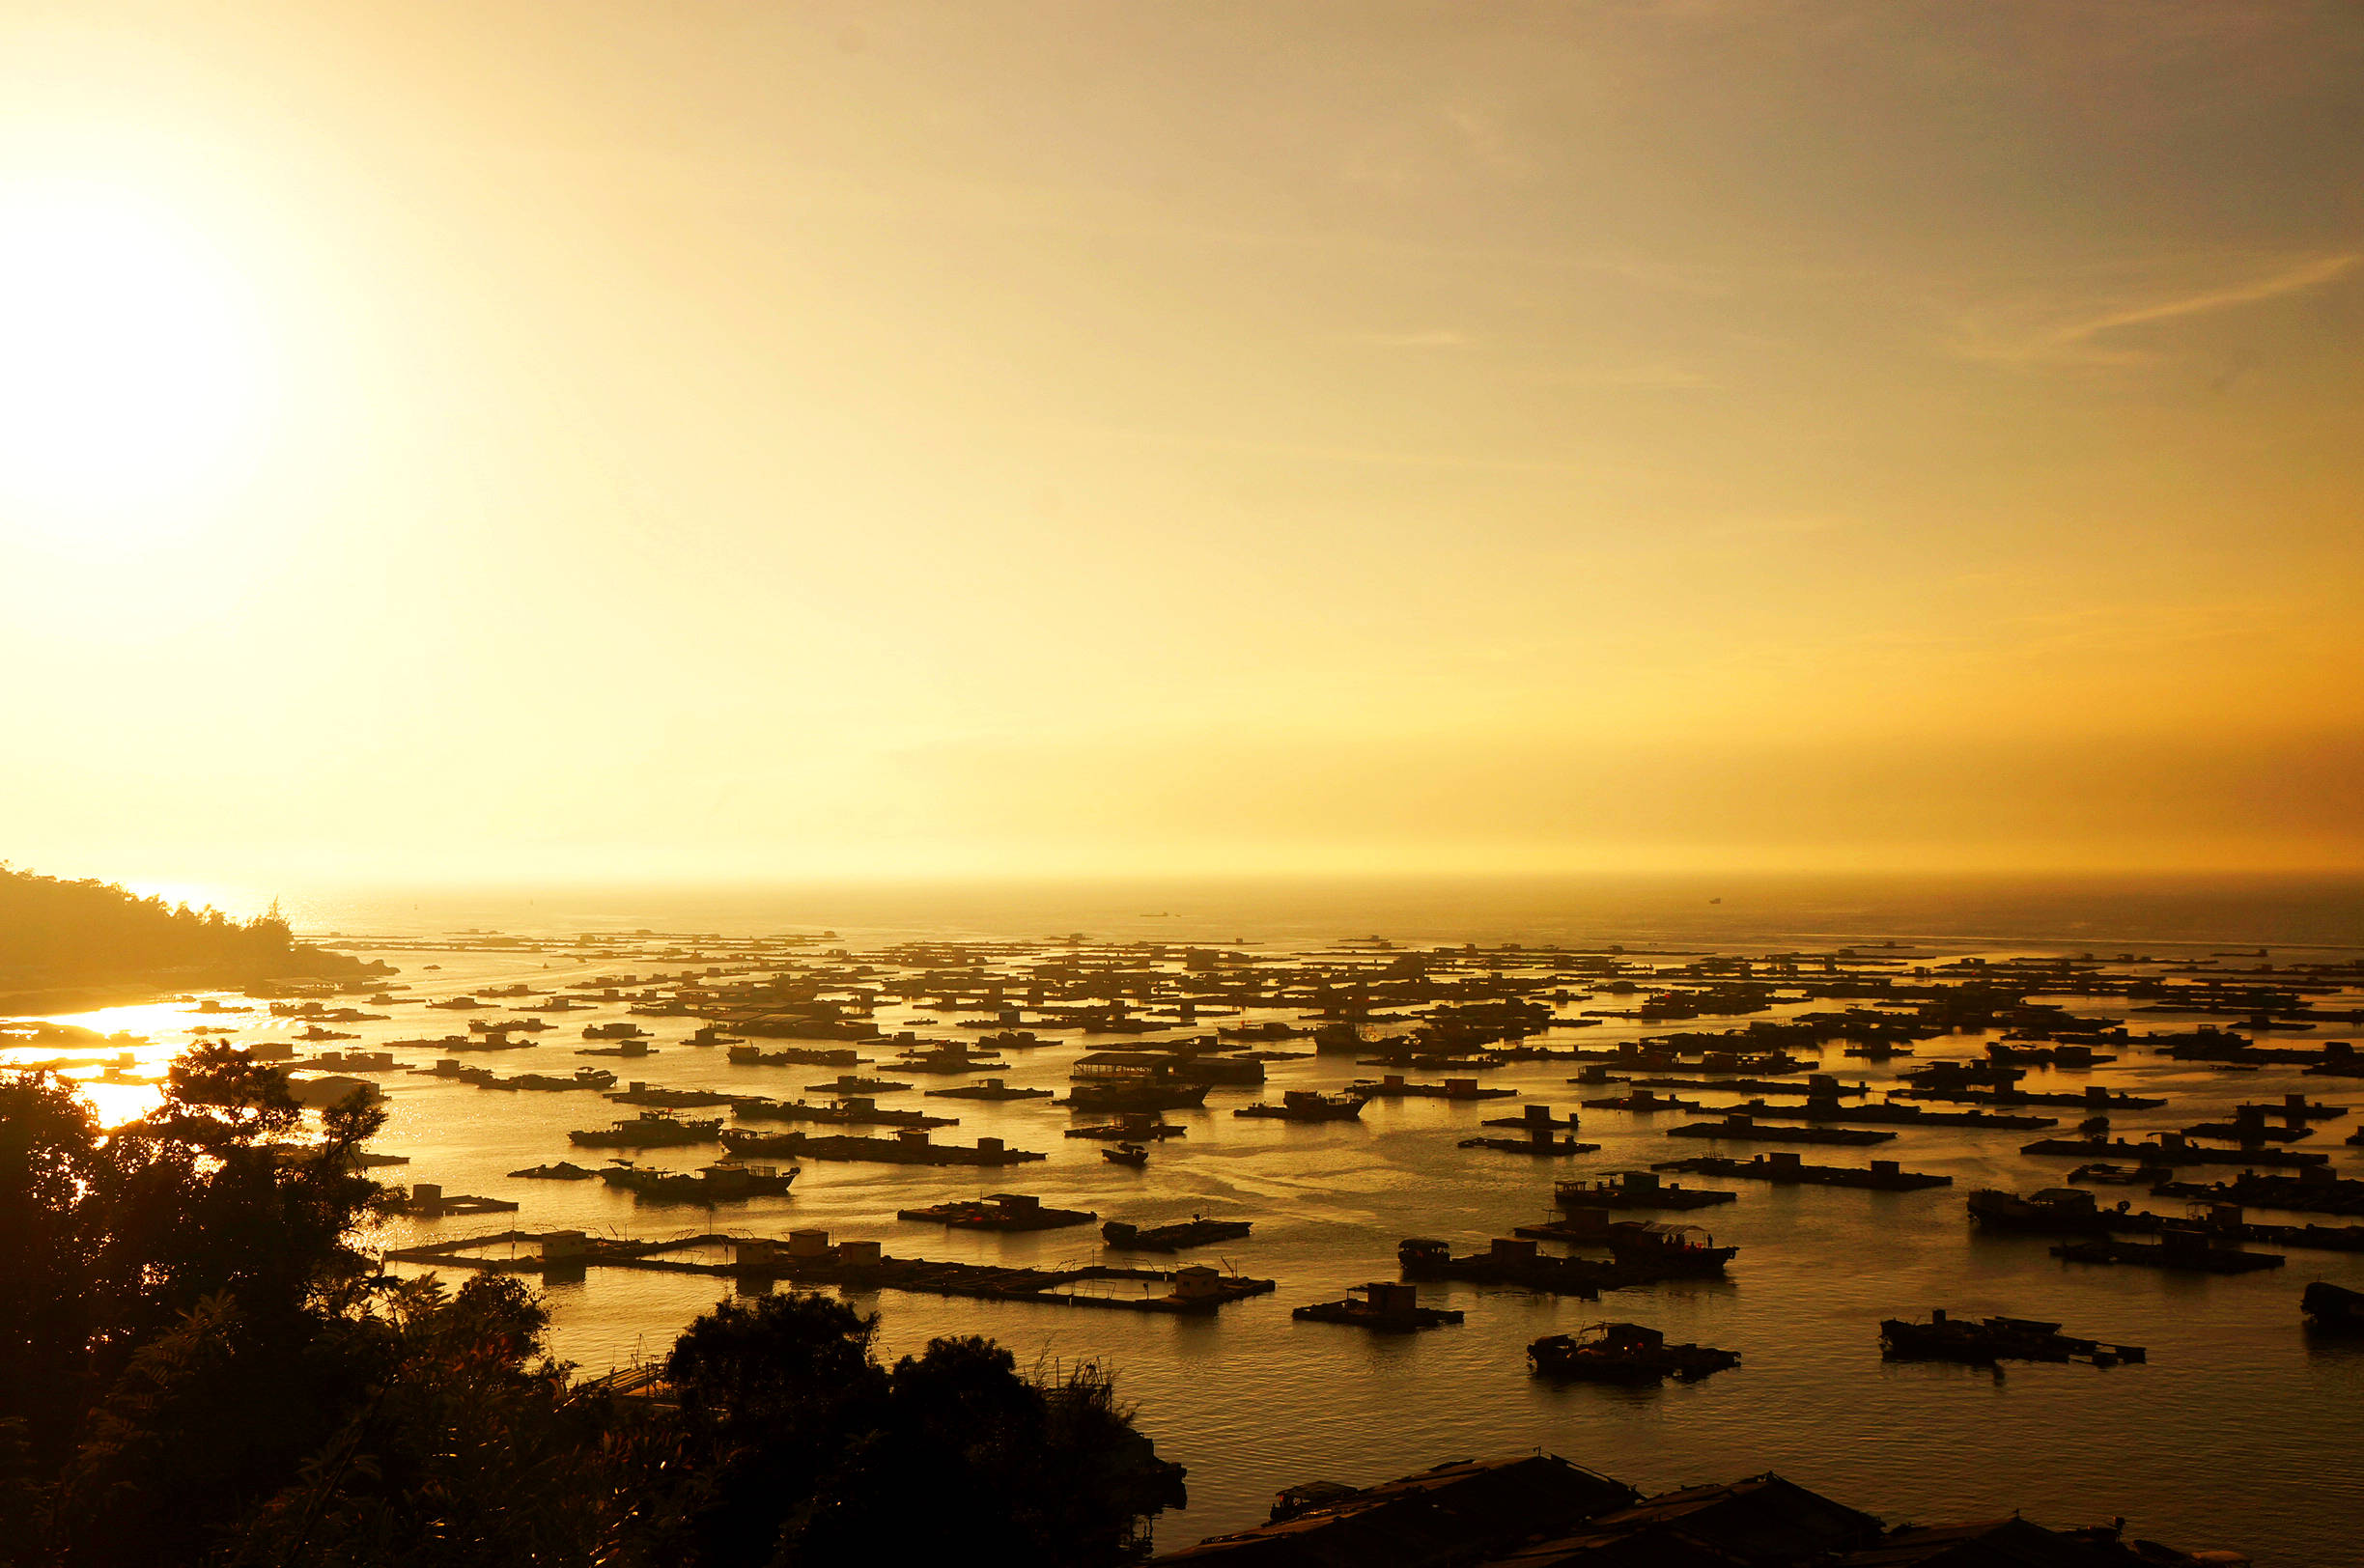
(204, 1369)
(53, 930)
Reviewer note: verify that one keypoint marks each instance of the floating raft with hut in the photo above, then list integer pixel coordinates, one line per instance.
(1535, 1117)
(1646, 1250)
(911, 1147)
(796, 1056)
(1785, 1170)
(649, 1130)
(727, 1181)
(806, 1257)
(2174, 1149)
(846, 1083)
(1818, 1083)
(584, 1077)
(1002, 1211)
(1396, 1086)
(858, 1111)
(1637, 1189)
(659, 1098)
(1509, 1261)
(1197, 1231)
(1746, 1130)
(1643, 1102)
(2096, 1098)
(1627, 1354)
(1132, 1128)
(1982, 1342)
(2067, 1211)
(2194, 1251)
(1388, 1306)
(990, 1089)
(1308, 1105)
(427, 1200)
(1540, 1142)
(2313, 1191)
(1883, 1113)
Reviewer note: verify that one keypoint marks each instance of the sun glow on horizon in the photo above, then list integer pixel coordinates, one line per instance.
(133, 377)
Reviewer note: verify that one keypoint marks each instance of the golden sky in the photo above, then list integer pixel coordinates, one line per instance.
(496, 440)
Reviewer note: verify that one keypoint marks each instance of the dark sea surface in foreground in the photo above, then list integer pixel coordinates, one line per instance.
(2243, 1430)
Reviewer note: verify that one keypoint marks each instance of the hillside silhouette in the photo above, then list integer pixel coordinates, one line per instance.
(56, 934)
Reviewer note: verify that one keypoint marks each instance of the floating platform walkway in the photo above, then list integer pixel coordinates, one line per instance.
(1745, 1130)
(1785, 1170)
(806, 1258)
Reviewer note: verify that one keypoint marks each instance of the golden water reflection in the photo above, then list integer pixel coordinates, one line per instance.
(117, 1057)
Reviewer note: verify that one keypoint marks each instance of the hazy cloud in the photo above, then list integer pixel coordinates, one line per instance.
(1410, 340)
(2081, 333)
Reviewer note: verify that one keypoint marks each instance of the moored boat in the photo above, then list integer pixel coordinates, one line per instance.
(2333, 1308)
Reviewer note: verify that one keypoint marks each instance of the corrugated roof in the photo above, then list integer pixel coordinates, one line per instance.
(1999, 1543)
(1761, 1521)
(1449, 1515)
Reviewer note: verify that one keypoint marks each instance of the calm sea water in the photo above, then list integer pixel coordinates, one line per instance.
(2242, 1431)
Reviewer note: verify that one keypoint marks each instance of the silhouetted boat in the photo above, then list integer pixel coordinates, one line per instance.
(2333, 1308)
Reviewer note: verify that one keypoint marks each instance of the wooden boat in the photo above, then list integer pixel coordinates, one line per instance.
(2333, 1308)
(1126, 1154)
